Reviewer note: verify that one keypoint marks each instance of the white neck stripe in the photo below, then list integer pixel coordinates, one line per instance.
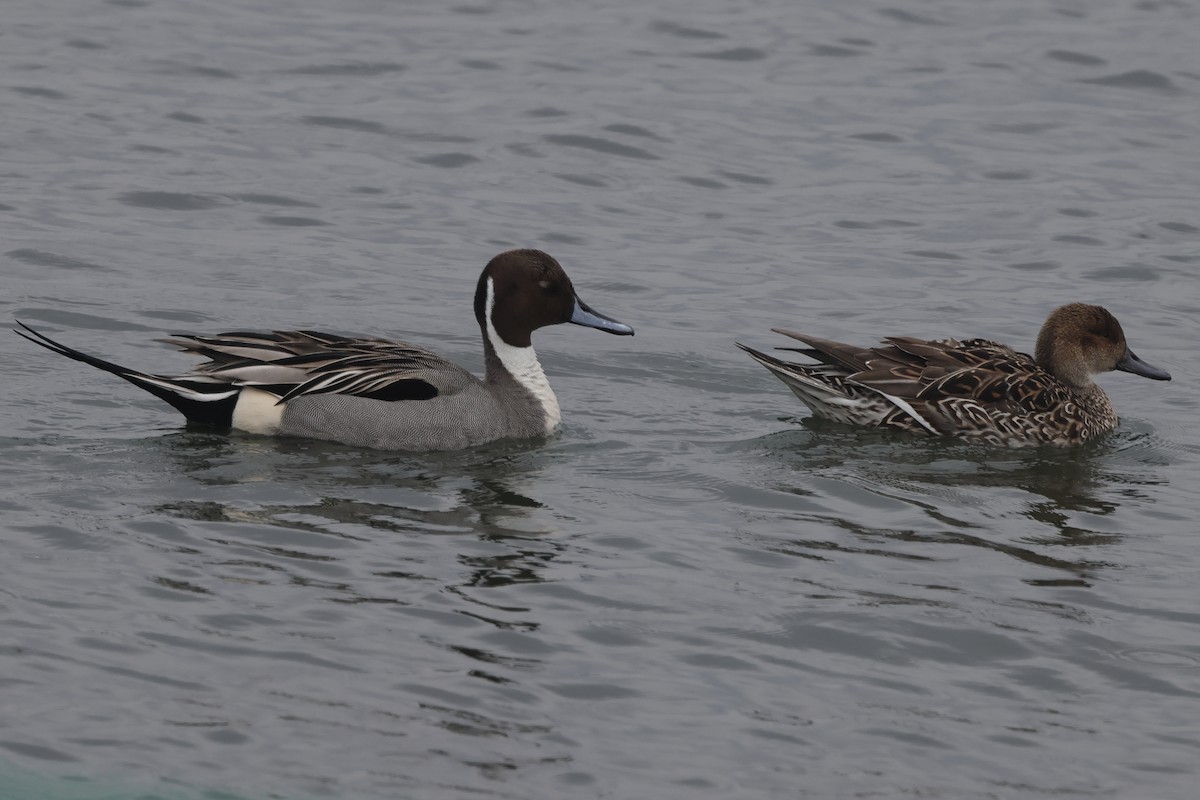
(522, 363)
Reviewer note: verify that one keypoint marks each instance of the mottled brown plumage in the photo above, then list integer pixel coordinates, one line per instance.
(975, 389)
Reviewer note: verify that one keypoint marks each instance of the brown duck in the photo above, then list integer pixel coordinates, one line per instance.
(973, 389)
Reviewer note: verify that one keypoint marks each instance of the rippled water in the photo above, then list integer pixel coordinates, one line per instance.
(695, 590)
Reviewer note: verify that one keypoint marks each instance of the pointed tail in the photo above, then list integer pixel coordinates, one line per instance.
(203, 401)
(815, 388)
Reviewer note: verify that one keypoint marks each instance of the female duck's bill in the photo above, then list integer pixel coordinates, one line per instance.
(974, 389)
(1131, 363)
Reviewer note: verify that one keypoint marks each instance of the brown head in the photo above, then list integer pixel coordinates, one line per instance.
(524, 290)
(1079, 340)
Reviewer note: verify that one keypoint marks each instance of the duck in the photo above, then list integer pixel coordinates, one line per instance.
(972, 389)
(378, 393)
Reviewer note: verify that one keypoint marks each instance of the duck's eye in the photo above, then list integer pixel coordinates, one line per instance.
(550, 286)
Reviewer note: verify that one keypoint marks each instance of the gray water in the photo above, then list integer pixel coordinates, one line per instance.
(693, 591)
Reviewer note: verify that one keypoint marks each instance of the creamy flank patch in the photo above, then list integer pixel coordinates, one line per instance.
(257, 412)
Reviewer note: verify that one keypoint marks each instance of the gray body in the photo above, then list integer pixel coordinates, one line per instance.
(467, 412)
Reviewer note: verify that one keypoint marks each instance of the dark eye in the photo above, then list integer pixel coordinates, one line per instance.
(549, 286)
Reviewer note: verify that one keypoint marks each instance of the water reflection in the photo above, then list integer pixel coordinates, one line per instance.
(1029, 504)
(300, 507)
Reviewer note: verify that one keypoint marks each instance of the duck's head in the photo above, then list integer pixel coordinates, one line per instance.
(523, 290)
(1079, 340)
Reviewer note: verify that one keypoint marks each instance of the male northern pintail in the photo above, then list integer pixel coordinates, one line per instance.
(975, 388)
(378, 393)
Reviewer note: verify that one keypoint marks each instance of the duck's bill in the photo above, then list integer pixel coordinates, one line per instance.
(582, 314)
(1131, 363)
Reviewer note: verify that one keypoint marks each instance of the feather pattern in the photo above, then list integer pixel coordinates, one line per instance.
(290, 364)
(974, 388)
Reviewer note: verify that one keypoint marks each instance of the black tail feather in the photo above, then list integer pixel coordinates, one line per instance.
(185, 395)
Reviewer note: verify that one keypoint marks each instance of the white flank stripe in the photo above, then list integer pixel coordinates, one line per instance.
(522, 363)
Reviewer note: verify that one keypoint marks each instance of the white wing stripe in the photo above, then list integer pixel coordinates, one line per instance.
(904, 406)
(182, 391)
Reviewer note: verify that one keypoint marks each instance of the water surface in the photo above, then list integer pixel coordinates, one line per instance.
(695, 590)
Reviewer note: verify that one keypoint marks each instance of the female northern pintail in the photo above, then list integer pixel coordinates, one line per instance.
(378, 393)
(973, 389)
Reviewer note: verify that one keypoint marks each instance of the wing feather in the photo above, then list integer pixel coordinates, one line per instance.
(291, 364)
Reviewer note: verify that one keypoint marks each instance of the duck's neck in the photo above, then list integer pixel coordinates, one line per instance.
(504, 363)
(1064, 360)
